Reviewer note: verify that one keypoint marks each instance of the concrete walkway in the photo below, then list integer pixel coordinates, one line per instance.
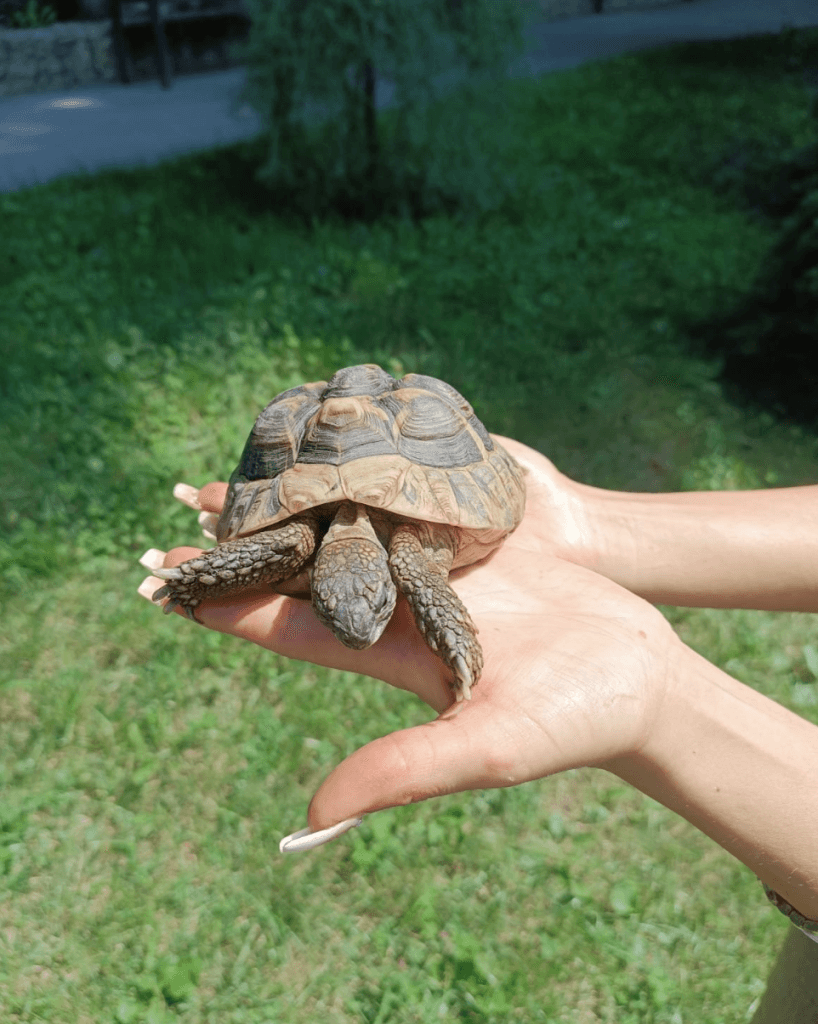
(46, 135)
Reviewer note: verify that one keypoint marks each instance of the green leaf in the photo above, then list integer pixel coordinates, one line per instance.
(178, 980)
(623, 897)
(804, 695)
(126, 1011)
(811, 658)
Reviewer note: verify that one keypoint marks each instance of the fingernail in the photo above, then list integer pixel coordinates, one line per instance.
(148, 587)
(208, 521)
(187, 495)
(308, 840)
(153, 559)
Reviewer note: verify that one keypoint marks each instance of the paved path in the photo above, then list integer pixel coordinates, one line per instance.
(46, 135)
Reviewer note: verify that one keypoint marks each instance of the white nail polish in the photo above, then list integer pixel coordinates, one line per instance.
(152, 559)
(148, 587)
(187, 495)
(307, 840)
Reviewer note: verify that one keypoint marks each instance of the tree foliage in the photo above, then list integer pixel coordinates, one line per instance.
(770, 345)
(314, 71)
(769, 342)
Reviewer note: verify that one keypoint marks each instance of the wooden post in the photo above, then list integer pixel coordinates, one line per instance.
(162, 50)
(123, 56)
(370, 122)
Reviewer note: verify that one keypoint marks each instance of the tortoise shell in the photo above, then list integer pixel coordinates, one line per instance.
(411, 447)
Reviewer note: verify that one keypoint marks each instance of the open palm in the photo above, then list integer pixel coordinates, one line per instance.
(575, 666)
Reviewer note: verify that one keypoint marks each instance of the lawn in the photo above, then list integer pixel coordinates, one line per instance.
(149, 767)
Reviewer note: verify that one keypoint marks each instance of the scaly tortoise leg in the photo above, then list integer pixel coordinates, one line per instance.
(420, 556)
(270, 556)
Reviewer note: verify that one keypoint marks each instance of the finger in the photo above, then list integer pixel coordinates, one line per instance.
(306, 839)
(187, 494)
(290, 627)
(208, 516)
(212, 496)
(464, 749)
(154, 559)
(178, 555)
(148, 587)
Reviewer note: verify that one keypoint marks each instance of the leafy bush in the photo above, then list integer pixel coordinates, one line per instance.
(33, 15)
(767, 341)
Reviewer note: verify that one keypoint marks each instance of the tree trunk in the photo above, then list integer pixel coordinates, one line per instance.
(370, 123)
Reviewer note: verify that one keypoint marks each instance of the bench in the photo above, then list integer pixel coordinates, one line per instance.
(128, 13)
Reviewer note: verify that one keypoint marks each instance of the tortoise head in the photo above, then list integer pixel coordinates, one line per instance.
(352, 589)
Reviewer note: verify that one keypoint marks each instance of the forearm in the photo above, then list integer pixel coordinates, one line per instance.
(708, 549)
(742, 769)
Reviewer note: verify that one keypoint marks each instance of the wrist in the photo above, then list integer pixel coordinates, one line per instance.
(709, 549)
(605, 537)
(740, 768)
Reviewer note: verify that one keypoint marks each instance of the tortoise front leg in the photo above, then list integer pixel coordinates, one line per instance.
(274, 555)
(420, 556)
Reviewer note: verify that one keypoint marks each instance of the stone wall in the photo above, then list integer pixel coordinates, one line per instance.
(73, 54)
(68, 54)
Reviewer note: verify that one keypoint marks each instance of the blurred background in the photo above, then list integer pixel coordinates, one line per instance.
(608, 245)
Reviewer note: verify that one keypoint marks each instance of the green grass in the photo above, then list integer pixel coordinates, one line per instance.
(149, 768)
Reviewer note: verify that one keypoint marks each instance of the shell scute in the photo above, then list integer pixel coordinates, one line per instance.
(412, 447)
(451, 395)
(344, 429)
(272, 446)
(367, 379)
(299, 487)
(372, 487)
(467, 495)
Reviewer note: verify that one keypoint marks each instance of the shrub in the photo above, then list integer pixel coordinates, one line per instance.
(33, 15)
(314, 70)
(768, 342)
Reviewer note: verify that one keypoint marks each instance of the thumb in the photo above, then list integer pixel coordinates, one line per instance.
(448, 755)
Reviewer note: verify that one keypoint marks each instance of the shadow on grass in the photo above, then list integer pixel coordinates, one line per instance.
(768, 343)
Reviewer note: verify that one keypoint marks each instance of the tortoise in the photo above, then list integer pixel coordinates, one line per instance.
(372, 485)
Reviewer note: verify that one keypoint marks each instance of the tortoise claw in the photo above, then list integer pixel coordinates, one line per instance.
(162, 593)
(173, 603)
(174, 573)
(463, 678)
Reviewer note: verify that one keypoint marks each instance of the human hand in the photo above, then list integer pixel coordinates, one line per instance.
(575, 667)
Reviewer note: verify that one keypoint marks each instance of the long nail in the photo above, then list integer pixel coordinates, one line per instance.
(308, 840)
(153, 559)
(148, 587)
(187, 495)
